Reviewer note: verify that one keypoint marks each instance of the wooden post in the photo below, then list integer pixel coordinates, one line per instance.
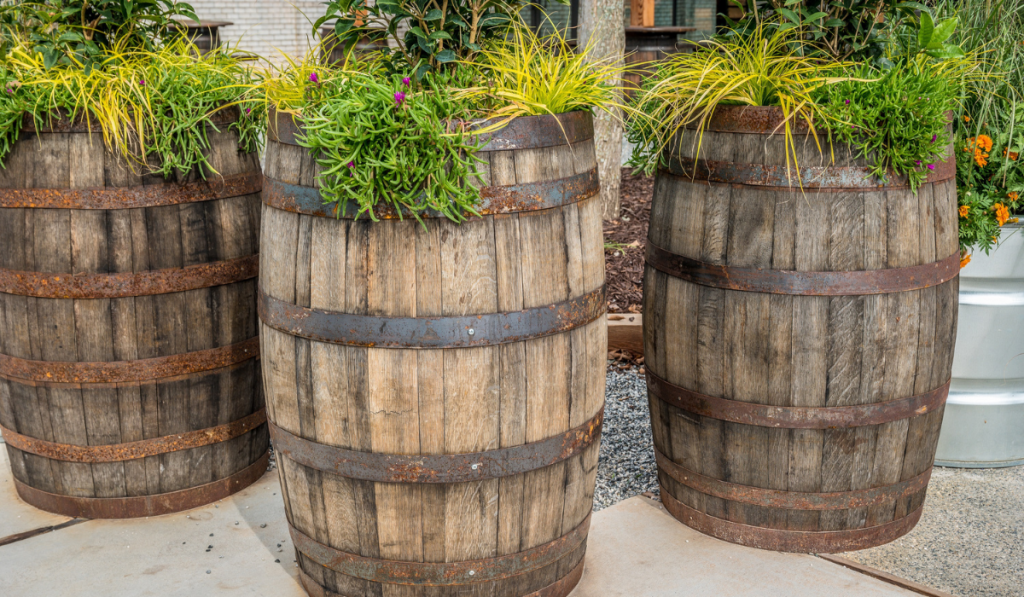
(641, 13)
(601, 26)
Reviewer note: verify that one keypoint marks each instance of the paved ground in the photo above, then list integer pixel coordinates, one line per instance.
(239, 546)
(970, 541)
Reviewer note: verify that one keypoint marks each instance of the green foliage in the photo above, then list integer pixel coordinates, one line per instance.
(896, 119)
(148, 104)
(385, 139)
(439, 32)
(762, 68)
(526, 75)
(80, 32)
(992, 109)
(855, 30)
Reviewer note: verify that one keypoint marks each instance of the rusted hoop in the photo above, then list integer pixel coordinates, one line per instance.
(791, 500)
(137, 449)
(524, 132)
(146, 505)
(818, 179)
(438, 468)
(795, 417)
(132, 197)
(129, 284)
(438, 574)
(560, 588)
(770, 281)
(790, 541)
(493, 200)
(486, 329)
(173, 365)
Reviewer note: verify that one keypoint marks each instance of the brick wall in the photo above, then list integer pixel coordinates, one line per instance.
(267, 27)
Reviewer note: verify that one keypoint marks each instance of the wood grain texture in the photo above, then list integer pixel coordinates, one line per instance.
(124, 329)
(444, 401)
(789, 350)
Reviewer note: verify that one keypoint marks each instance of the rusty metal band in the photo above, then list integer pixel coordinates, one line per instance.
(438, 468)
(137, 449)
(771, 281)
(560, 588)
(791, 500)
(532, 196)
(147, 505)
(169, 193)
(173, 365)
(796, 417)
(828, 179)
(129, 284)
(60, 121)
(525, 132)
(790, 541)
(468, 331)
(436, 574)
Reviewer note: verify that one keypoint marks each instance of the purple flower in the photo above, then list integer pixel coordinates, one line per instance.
(918, 162)
(9, 90)
(934, 137)
(406, 81)
(931, 166)
(248, 110)
(351, 164)
(399, 98)
(847, 102)
(314, 78)
(142, 82)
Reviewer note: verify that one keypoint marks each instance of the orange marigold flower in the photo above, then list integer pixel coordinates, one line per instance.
(964, 210)
(964, 261)
(985, 142)
(1013, 197)
(1002, 214)
(1013, 155)
(967, 118)
(980, 158)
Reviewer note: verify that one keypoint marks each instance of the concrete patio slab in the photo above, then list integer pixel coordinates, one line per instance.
(240, 546)
(15, 515)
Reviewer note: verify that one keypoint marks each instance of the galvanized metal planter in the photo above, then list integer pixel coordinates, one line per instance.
(984, 423)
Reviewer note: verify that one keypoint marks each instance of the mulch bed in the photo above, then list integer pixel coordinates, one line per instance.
(625, 241)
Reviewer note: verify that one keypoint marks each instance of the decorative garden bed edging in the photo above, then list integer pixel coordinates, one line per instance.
(984, 422)
(789, 412)
(458, 449)
(129, 378)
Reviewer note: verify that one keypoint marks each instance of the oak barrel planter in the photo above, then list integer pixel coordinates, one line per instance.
(436, 392)
(798, 344)
(129, 373)
(648, 45)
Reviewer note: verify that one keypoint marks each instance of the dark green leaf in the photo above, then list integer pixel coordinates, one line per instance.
(446, 56)
(433, 15)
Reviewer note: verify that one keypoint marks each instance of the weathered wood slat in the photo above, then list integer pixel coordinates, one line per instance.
(439, 400)
(94, 331)
(789, 350)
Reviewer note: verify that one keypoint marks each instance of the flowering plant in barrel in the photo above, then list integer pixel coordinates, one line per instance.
(800, 289)
(432, 301)
(128, 229)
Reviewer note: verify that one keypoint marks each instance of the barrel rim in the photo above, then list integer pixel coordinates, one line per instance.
(521, 132)
(60, 121)
(146, 505)
(787, 540)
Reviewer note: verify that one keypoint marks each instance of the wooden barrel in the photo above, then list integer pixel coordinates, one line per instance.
(798, 344)
(645, 45)
(436, 391)
(129, 366)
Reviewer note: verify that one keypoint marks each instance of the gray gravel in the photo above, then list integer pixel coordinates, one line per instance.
(626, 467)
(969, 542)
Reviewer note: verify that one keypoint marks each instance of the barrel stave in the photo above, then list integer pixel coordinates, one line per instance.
(107, 241)
(789, 350)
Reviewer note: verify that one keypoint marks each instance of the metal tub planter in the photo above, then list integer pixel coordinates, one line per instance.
(984, 422)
